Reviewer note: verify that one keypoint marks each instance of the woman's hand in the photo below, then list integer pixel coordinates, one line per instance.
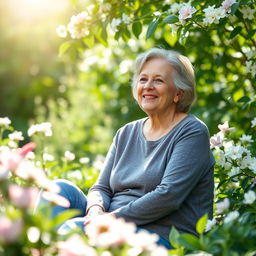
(95, 210)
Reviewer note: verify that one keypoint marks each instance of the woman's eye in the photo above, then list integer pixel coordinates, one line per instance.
(159, 80)
(143, 79)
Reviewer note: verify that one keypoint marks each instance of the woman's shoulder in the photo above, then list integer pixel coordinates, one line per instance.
(193, 123)
(131, 127)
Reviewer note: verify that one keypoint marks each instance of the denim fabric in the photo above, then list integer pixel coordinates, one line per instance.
(78, 201)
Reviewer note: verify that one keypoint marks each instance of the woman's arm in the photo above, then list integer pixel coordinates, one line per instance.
(100, 194)
(190, 160)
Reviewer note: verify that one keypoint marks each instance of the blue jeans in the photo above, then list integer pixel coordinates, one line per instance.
(78, 201)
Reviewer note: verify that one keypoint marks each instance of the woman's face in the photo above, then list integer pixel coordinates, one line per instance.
(155, 92)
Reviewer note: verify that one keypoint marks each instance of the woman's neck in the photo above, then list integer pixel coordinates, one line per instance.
(157, 126)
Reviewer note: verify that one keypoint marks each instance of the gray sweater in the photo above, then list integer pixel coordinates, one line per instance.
(158, 184)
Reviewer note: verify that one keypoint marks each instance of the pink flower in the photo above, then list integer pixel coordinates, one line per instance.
(27, 148)
(75, 246)
(225, 127)
(9, 230)
(143, 240)
(10, 160)
(186, 12)
(106, 230)
(226, 5)
(23, 197)
(56, 199)
(216, 140)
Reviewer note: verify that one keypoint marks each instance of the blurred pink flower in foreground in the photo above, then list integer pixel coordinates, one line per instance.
(225, 127)
(23, 197)
(75, 246)
(106, 230)
(9, 230)
(10, 160)
(56, 199)
(216, 140)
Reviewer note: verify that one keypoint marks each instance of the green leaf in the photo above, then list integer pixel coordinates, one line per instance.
(190, 241)
(244, 99)
(64, 47)
(171, 19)
(250, 34)
(137, 28)
(200, 225)
(89, 40)
(234, 7)
(65, 215)
(101, 34)
(151, 28)
(235, 32)
(126, 35)
(174, 236)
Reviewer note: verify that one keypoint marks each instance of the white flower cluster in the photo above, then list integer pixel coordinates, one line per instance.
(45, 128)
(233, 157)
(4, 122)
(77, 25)
(69, 156)
(248, 13)
(117, 21)
(16, 136)
(212, 14)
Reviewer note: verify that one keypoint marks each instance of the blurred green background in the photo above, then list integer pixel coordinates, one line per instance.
(86, 93)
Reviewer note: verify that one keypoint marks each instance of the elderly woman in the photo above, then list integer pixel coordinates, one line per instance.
(158, 172)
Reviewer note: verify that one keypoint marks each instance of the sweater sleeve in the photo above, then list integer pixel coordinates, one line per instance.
(100, 193)
(188, 162)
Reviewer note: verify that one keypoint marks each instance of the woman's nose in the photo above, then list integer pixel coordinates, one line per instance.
(149, 84)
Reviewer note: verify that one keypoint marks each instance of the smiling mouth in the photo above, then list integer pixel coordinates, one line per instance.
(149, 97)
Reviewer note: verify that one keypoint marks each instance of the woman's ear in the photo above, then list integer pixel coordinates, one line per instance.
(178, 96)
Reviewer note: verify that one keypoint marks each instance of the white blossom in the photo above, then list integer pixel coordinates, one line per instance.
(45, 128)
(234, 171)
(235, 152)
(186, 12)
(84, 160)
(48, 157)
(253, 122)
(246, 138)
(77, 25)
(115, 23)
(213, 15)
(250, 54)
(76, 174)
(222, 206)
(99, 162)
(69, 156)
(175, 7)
(210, 224)
(226, 5)
(4, 122)
(231, 216)
(248, 12)
(16, 136)
(61, 31)
(126, 19)
(30, 155)
(157, 13)
(249, 197)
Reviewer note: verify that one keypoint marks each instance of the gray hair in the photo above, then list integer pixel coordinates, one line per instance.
(182, 74)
